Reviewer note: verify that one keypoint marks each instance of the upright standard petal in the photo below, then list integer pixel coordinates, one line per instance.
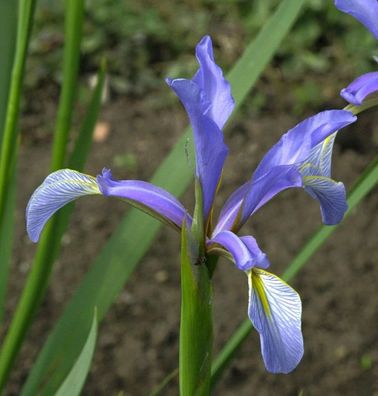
(145, 196)
(363, 86)
(57, 190)
(210, 149)
(365, 11)
(275, 311)
(216, 89)
(208, 101)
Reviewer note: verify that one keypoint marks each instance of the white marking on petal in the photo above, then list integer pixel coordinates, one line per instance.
(58, 189)
(275, 310)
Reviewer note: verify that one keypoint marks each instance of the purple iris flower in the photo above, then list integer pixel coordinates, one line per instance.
(365, 11)
(363, 86)
(301, 158)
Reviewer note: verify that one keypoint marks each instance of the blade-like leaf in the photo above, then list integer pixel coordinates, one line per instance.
(366, 182)
(49, 246)
(111, 270)
(8, 29)
(75, 379)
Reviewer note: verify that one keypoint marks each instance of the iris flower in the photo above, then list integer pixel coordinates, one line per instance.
(365, 11)
(301, 158)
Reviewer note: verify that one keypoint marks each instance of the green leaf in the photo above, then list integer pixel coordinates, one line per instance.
(49, 246)
(365, 183)
(8, 29)
(110, 271)
(75, 379)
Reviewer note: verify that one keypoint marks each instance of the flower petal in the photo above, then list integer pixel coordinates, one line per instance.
(262, 190)
(58, 189)
(231, 208)
(260, 258)
(236, 247)
(216, 89)
(361, 87)
(145, 196)
(66, 185)
(331, 196)
(208, 101)
(296, 144)
(210, 149)
(275, 310)
(365, 11)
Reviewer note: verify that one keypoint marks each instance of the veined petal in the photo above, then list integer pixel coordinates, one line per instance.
(66, 185)
(275, 310)
(331, 196)
(365, 11)
(362, 86)
(320, 157)
(210, 149)
(58, 189)
(260, 258)
(145, 196)
(240, 253)
(295, 146)
(216, 89)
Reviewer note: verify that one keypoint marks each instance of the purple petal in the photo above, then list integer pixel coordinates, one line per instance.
(208, 101)
(296, 144)
(216, 89)
(57, 190)
(331, 196)
(264, 189)
(365, 11)
(231, 209)
(145, 196)
(211, 152)
(259, 257)
(275, 310)
(248, 198)
(234, 245)
(360, 88)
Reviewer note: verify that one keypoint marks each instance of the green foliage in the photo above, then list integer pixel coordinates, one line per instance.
(75, 379)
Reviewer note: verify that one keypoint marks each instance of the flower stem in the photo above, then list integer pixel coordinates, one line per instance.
(196, 329)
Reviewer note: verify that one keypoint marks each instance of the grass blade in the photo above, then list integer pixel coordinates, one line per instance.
(9, 142)
(110, 271)
(8, 30)
(75, 379)
(48, 249)
(366, 182)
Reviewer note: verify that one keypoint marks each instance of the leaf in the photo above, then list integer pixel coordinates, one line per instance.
(75, 379)
(110, 271)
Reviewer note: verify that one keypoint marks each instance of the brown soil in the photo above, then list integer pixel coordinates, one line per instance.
(138, 340)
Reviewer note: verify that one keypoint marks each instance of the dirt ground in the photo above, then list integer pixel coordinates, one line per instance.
(138, 340)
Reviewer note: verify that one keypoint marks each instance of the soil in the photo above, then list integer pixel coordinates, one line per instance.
(138, 340)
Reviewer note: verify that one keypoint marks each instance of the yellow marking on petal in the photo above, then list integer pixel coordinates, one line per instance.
(258, 286)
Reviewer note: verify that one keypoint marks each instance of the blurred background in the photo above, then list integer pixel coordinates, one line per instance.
(144, 42)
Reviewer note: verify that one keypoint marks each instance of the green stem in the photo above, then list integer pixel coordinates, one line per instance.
(196, 329)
